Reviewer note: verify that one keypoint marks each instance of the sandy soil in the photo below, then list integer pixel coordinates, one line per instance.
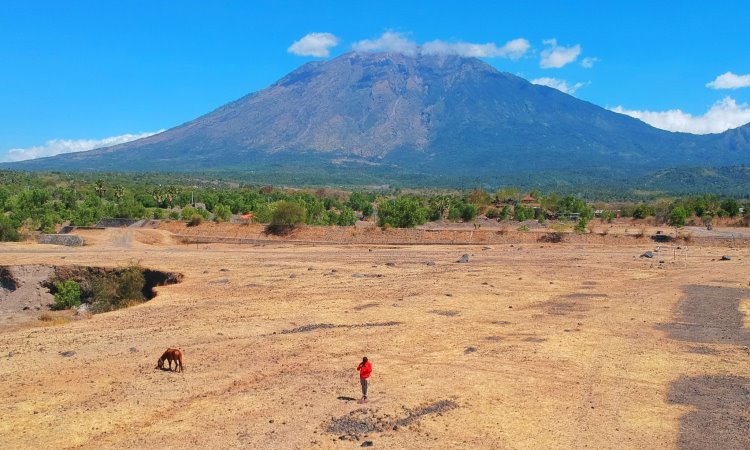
(526, 346)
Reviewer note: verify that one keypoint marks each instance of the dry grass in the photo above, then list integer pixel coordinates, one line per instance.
(52, 319)
(552, 367)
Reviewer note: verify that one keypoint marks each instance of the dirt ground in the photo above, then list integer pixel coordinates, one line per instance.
(532, 345)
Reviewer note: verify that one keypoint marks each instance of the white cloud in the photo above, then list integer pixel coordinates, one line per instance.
(556, 56)
(58, 146)
(589, 62)
(560, 85)
(730, 81)
(512, 49)
(390, 41)
(314, 44)
(723, 115)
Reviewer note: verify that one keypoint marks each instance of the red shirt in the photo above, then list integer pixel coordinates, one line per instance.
(365, 369)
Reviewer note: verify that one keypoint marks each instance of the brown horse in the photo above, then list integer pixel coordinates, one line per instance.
(172, 354)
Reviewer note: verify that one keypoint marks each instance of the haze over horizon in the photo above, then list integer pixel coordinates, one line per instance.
(78, 77)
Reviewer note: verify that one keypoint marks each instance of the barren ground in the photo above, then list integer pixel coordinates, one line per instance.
(529, 345)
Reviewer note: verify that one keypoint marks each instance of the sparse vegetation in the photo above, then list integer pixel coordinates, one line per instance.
(67, 295)
(118, 289)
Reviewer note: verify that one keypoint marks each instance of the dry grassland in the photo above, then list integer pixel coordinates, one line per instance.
(526, 346)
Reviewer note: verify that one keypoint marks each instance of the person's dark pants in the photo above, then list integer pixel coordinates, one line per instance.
(365, 382)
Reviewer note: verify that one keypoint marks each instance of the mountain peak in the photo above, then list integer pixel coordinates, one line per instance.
(415, 113)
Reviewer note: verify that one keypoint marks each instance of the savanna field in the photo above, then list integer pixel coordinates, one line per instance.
(530, 344)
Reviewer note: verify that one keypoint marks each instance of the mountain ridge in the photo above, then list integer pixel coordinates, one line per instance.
(424, 114)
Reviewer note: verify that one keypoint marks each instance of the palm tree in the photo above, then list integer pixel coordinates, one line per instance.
(100, 188)
(119, 192)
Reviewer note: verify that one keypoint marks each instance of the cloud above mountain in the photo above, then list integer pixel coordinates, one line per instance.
(560, 85)
(58, 146)
(729, 81)
(721, 116)
(556, 56)
(395, 42)
(314, 44)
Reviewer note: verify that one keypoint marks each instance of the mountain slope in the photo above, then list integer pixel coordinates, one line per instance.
(424, 114)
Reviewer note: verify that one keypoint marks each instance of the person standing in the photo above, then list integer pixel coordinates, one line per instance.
(365, 369)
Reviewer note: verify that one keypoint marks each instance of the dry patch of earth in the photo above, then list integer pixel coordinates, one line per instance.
(528, 345)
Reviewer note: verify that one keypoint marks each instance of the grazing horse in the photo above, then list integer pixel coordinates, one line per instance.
(172, 354)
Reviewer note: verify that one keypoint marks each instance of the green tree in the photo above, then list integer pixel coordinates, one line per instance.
(287, 215)
(677, 216)
(8, 232)
(100, 188)
(346, 218)
(401, 212)
(222, 213)
(731, 207)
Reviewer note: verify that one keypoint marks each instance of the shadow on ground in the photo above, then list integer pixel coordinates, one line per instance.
(709, 314)
(722, 416)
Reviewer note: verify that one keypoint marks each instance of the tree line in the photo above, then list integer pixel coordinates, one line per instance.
(42, 202)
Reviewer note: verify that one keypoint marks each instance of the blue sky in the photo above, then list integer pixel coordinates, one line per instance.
(78, 72)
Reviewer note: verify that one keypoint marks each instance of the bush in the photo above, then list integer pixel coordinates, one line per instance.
(678, 216)
(402, 212)
(468, 212)
(118, 289)
(492, 213)
(581, 225)
(222, 213)
(7, 231)
(67, 295)
(195, 220)
(286, 216)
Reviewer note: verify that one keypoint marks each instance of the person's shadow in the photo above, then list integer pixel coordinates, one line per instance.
(346, 399)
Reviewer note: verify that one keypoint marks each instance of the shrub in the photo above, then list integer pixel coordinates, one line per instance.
(581, 225)
(67, 295)
(286, 216)
(118, 289)
(492, 213)
(7, 231)
(222, 213)
(468, 212)
(402, 212)
(678, 216)
(195, 220)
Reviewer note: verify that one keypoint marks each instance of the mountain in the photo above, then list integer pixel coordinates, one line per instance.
(384, 113)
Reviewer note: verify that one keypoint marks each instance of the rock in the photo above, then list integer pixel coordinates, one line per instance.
(366, 444)
(470, 350)
(726, 258)
(83, 308)
(390, 264)
(67, 354)
(648, 254)
(223, 270)
(486, 248)
(430, 263)
(464, 258)
(133, 350)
